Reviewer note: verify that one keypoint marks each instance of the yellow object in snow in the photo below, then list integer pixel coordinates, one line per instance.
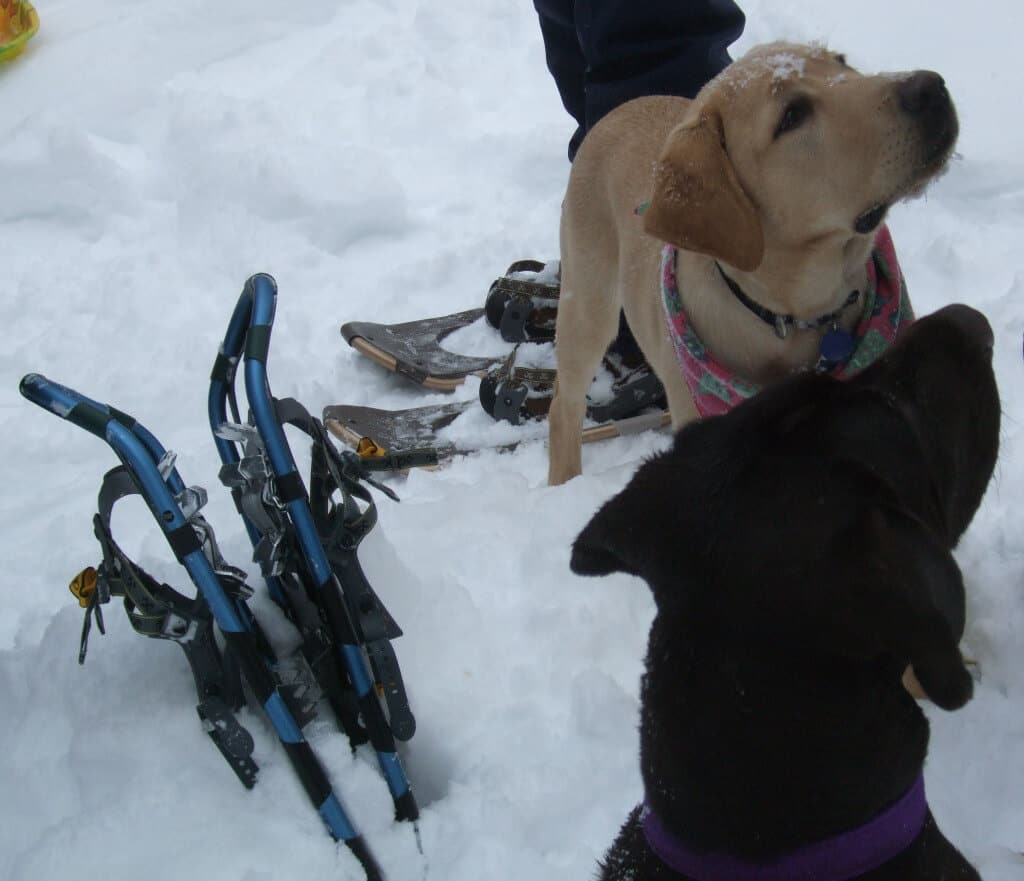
(369, 449)
(83, 586)
(18, 22)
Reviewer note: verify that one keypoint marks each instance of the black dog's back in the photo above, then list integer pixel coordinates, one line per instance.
(798, 549)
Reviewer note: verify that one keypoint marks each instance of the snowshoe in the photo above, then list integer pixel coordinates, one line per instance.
(521, 306)
(158, 611)
(513, 406)
(397, 440)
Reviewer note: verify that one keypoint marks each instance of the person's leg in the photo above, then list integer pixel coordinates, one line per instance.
(565, 60)
(602, 53)
(634, 48)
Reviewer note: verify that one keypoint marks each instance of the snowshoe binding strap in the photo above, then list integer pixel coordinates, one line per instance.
(157, 610)
(374, 457)
(280, 560)
(632, 392)
(515, 394)
(520, 308)
(340, 525)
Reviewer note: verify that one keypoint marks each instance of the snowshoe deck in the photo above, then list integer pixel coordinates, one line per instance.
(413, 349)
(403, 434)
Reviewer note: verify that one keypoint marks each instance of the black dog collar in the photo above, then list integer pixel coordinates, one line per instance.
(782, 323)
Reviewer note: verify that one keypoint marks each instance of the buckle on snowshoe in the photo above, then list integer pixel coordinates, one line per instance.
(369, 449)
(522, 310)
(507, 402)
(83, 586)
(424, 458)
(630, 398)
(513, 320)
(514, 393)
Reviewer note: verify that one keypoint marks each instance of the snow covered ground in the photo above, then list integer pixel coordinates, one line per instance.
(385, 160)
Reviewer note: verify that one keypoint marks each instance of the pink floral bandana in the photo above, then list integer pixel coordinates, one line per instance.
(716, 390)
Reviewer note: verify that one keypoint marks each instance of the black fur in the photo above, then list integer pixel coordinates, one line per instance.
(798, 549)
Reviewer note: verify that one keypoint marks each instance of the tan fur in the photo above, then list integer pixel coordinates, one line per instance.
(777, 212)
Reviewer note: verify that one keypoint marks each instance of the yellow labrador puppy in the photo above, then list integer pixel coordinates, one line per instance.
(772, 184)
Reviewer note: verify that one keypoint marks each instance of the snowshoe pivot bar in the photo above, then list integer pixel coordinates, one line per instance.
(248, 337)
(144, 457)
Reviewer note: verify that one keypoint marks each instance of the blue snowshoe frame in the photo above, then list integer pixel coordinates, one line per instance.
(143, 457)
(309, 575)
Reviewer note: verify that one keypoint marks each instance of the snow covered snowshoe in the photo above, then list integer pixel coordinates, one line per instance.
(522, 386)
(516, 396)
(516, 388)
(396, 440)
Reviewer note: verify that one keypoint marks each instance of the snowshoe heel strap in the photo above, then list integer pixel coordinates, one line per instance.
(159, 611)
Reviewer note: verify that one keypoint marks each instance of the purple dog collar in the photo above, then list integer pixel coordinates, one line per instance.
(846, 856)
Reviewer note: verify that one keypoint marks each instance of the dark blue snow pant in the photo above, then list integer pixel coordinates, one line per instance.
(603, 53)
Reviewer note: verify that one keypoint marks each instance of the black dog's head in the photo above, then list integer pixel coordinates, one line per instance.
(799, 552)
(824, 512)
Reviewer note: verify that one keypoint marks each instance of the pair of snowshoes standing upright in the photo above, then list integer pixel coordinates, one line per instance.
(305, 538)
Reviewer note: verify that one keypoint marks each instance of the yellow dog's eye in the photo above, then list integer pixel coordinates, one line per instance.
(797, 112)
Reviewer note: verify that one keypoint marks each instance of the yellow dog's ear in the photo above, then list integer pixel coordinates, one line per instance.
(698, 203)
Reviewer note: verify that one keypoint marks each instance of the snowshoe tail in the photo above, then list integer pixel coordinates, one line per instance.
(413, 349)
(391, 688)
(233, 741)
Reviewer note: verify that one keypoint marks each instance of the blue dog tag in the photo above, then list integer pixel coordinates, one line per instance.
(836, 346)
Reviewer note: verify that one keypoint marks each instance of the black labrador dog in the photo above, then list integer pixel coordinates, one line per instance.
(798, 549)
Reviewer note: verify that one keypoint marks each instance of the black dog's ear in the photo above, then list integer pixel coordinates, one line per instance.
(638, 529)
(609, 542)
(904, 596)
